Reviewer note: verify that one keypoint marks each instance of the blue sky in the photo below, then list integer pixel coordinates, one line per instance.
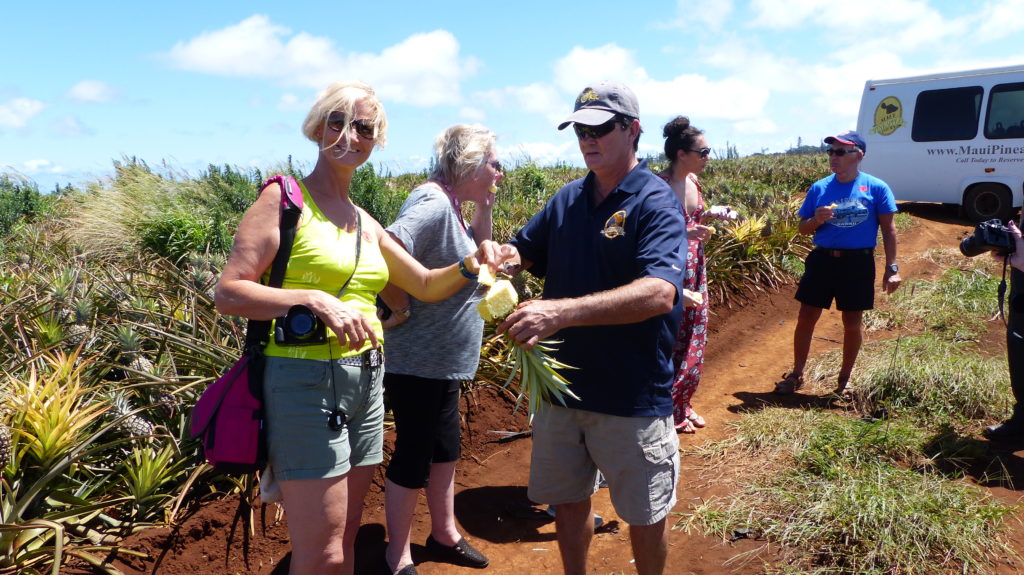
(186, 84)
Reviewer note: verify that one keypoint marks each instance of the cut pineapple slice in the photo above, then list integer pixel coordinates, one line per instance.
(485, 276)
(500, 300)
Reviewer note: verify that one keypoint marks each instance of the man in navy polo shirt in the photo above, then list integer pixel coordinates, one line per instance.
(611, 248)
(844, 212)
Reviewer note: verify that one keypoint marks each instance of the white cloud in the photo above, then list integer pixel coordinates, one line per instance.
(422, 70)
(41, 166)
(469, 114)
(68, 126)
(91, 91)
(998, 20)
(543, 153)
(291, 102)
(582, 66)
(249, 48)
(17, 112)
(698, 14)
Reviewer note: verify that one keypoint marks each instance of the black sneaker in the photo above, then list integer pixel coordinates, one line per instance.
(462, 553)
(1009, 431)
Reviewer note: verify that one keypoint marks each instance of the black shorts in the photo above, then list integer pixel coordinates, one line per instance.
(426, 426)
(848, 276)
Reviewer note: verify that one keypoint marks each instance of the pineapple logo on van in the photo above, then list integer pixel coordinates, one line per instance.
(888, 116)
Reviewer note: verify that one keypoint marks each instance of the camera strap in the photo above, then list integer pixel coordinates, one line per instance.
(337, 417)
(1001, 291)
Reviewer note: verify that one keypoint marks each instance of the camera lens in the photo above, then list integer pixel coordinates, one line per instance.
(970, 246)
(301, 324)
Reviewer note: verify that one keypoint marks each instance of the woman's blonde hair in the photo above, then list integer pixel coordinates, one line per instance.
(460, 151)
(342, 97)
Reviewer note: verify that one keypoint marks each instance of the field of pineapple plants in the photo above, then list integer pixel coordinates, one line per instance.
(108, 335)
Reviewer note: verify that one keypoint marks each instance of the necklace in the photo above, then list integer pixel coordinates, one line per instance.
(456, 204)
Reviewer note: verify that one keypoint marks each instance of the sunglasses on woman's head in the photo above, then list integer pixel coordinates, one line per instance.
(597, 132)
(364, 128)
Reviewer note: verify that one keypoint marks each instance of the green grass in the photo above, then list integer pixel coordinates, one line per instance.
(841, 495)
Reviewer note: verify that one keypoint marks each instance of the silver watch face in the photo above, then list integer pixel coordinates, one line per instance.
(894, 268)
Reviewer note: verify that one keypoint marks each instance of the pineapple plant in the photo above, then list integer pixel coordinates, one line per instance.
(133, 424)
(79, 332)
(130, 344)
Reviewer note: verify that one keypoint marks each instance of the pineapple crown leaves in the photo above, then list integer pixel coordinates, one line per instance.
(128, 339)
(55, 413)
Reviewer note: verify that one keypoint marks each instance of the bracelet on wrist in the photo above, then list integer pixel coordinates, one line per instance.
(465, 272)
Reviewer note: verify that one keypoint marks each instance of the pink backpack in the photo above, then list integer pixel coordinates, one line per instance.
(229, 418)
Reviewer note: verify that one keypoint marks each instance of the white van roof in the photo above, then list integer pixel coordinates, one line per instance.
(949, 75)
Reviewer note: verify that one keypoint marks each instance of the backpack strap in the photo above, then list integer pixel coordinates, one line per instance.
(258, 332)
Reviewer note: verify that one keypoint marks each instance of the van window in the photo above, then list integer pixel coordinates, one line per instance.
(950, 114)
(1005, 116)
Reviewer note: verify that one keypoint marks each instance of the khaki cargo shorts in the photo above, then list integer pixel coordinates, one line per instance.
(638, 456)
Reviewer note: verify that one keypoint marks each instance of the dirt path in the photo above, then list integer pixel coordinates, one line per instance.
(748, 349)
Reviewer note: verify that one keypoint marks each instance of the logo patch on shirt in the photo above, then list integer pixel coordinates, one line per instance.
(613, 226)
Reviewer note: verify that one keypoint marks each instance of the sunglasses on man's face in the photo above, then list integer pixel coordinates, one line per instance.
(596, 132)
(364, 128)
(704, 152)
(840, 151)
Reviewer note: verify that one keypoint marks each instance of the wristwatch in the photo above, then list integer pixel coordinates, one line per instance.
(893, 268)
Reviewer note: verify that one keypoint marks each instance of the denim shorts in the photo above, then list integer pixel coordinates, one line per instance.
(638, 456)
(299, 395)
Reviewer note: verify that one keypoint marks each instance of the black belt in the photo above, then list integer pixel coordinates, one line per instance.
(844, 253)
(367, 359)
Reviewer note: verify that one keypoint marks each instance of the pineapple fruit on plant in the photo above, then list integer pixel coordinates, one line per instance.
(79, 332)
(133, 424)
(130, 344)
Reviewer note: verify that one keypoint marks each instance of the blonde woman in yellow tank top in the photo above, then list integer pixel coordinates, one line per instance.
(323, 401)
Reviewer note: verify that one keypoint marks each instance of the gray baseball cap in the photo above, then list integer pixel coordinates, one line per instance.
(599, 103)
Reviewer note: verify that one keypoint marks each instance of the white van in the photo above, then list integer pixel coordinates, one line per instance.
(954, 138)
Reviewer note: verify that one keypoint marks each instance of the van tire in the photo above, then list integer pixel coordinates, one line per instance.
(984, 202)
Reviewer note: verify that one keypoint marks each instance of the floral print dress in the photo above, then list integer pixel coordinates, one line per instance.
(688, 352)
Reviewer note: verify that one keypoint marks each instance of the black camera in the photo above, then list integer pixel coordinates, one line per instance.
(299, 326)
(990, 236)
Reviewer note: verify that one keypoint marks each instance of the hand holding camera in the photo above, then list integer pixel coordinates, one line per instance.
(307, 324)
(1017, 254)
(990, 236)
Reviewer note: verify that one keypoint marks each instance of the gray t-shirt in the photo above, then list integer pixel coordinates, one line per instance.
(440, 340)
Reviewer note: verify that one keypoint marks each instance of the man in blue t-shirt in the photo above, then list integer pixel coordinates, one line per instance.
(611, 248)
(844, 212)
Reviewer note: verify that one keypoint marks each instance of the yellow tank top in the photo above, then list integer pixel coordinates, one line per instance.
(322, 258)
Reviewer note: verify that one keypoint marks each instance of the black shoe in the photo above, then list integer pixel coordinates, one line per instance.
(407, 570)
(1009, 431)
(462, 553)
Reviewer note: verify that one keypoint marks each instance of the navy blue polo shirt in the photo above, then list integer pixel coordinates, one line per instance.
(579, 248)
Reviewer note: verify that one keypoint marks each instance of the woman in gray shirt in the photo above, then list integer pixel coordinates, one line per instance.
(433, 347)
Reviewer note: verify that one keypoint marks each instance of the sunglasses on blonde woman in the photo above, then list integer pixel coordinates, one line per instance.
(364, 128)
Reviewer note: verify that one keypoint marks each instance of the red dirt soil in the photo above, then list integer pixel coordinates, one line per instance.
(749, 347)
